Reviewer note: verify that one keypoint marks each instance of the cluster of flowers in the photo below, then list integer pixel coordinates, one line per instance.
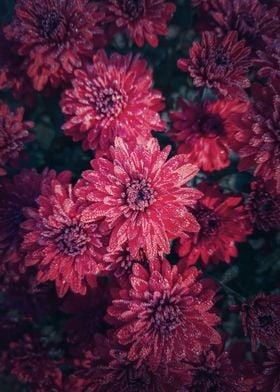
(135, 320)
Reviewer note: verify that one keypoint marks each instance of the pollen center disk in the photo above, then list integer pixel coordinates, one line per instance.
(208, 220)
(139, 195)
(211, 125)
(53, 26)
(221, 59)
(165, 313)
(72, 240)
(265, 321)
(263, 204)
(109, 102)
(132, 8)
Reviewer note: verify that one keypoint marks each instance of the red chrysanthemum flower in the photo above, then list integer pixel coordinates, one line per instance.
(21, 295)
(107, 368)
(54, 35)
(112, 97)
(201, 131)
(169, 310)
(14, 132)
(215, 372)
(16, 194)
(142, 196)
(269, 379)
(253, 21)
(261, 320)
(143, 20)
(257, 137)
(268, 60)
(219, 63)
(64, 248)
(13, 72)
(223, 221)
(264, 205)
(28, 361)
(86, 314)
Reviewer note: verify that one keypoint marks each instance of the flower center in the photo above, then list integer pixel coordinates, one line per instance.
(264, 208)
(165, 313)
(211, 125)
(109, 102)
(134, 9)
(139, 194)
(265, 321)
(53, 26)
(209, 221)
(72, 240)
(221, 59)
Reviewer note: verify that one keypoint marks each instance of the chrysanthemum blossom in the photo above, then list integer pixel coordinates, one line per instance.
(142, 20)
(202, 130)
(253, 21)
(264, 205)
(269, 378)
(214, 371)
(256, 138)
(224, 221)
(219, 63)
(111, 97)
(14, 132)
(260, 320)
(106, 368)
(16, 194)
(170, 311)
(28, 300)
(28, 361)
(55, 35)
(142, 196)
(65, 249)
(85, 314)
